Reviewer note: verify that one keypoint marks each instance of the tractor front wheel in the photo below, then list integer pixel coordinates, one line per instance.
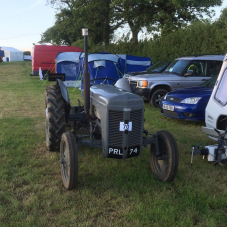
(69, 160)
(165, 164)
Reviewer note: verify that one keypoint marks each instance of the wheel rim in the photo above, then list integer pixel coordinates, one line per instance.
(162, 161)
(159, 98)
(162, 165)
(64, 162)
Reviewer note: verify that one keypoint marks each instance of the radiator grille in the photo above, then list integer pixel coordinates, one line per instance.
(173, 99)
(115, 137)
(133, 86)
(170, 113)
(136, 134)
(133, 83)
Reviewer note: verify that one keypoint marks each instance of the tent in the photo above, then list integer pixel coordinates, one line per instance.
(102, 65)
(1, 55)
(13, 54)
(130, 63)
(68, 63)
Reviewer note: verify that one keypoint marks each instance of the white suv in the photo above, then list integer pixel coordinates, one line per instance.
(182, 72)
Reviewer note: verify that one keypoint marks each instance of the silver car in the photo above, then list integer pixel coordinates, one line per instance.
(182, 72)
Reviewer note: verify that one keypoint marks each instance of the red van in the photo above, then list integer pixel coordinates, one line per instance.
(44, 56)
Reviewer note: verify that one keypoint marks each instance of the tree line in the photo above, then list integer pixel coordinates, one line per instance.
(174, 25)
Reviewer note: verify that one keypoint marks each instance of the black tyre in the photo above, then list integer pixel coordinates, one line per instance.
(97, 132)
(157, 97)
(55, 117)
(165, 165)
(69, 160)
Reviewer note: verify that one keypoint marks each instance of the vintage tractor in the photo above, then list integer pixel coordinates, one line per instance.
(111, 118)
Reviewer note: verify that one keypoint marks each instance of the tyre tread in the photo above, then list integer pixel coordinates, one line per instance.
(56, 116)
(174, 158)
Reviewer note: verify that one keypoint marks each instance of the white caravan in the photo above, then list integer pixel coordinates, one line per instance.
(216, 120)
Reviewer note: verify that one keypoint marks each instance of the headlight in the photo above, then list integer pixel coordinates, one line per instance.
(191, 100)
(142, 83)
(164, 98)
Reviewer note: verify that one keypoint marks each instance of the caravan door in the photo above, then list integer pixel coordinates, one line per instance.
(216, 110)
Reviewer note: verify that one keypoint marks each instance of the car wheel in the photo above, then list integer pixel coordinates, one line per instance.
(157, 97)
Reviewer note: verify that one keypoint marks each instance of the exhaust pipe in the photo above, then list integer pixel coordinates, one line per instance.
(86, 76)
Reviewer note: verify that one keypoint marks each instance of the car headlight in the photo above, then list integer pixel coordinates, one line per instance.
(164, 98)
(142, 83)
(191, 100)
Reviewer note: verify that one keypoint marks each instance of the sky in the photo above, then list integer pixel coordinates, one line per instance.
(23, 22)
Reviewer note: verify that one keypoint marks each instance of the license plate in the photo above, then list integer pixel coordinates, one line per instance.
(168, 107)
(133, 151)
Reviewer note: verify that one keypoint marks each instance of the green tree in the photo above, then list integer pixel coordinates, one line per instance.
(160, 15)
(103, 17)
(95, 15)
(221, 22)
(64, 31)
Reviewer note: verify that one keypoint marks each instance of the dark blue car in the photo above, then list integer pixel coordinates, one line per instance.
(188, 103)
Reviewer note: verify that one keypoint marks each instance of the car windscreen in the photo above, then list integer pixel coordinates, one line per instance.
(158, 67)
(177, 66)
(210, 83)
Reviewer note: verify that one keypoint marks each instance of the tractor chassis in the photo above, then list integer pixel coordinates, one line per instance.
(88, 140)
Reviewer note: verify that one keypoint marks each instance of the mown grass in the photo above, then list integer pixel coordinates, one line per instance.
(110, 192)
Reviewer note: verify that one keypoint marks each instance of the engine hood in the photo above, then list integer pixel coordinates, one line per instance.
(156, 76)
(140, 73)
(114, 98)
(192, 92)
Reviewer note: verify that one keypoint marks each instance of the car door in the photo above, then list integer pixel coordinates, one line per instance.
(195, 74)
(214, 68)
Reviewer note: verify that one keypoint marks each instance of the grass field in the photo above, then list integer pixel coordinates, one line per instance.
(110, 192)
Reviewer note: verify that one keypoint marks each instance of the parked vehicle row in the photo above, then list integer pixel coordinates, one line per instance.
(182, 72)
(156, 68)
(165, 90)
(189, 103)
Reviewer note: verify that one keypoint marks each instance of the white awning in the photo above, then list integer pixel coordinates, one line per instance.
(141, 63)
(109, 57)
(68, 56)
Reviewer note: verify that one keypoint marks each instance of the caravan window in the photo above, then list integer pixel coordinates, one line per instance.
(221, 93)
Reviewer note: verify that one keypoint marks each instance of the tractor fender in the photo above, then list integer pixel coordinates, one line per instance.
(63, 91)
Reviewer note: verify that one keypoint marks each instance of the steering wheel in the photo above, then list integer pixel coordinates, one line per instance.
(105, 79)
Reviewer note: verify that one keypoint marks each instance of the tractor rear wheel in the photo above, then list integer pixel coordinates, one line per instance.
(55, 117)
(165, 165)
(69, 160)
